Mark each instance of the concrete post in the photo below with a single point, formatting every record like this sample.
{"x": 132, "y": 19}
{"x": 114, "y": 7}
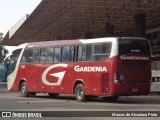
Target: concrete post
{"x": 140, "y": 25}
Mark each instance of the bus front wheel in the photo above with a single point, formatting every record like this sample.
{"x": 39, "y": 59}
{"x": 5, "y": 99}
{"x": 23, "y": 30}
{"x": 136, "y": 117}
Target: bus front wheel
{"x": 80, "y": 92}
{"x": 24, "y": 90}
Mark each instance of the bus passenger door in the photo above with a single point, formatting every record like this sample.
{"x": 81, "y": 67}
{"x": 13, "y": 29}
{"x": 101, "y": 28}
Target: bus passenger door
{"x": 27, "y": 70}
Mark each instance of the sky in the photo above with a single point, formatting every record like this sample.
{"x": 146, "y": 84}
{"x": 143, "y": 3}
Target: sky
{"x": 11, "y": 11}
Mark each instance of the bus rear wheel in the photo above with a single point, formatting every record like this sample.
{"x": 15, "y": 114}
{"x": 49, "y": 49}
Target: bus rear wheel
{"x": 80, "y": 92}
{"x": 24, "y": 90}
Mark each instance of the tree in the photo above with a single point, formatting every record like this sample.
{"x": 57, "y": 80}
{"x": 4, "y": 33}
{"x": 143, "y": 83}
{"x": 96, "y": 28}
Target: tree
{"x": 1, "y": 36}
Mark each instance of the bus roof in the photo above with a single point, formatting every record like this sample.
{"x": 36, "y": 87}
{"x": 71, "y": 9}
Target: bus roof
{"x": 53, "y": 43}
{"x": 77, "y": 41}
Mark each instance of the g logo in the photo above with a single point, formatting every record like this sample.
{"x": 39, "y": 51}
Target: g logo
{"x": 59, "y": 75}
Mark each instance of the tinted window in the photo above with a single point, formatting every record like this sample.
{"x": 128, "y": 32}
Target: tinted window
{"x": 49, "y": 52}
{"x": 24, "y": 57}
{"x": 72, "y": 53}
{"x": 65, "y": 54}
{"x": 101, "y": 51}
{"x": 30, "y": 56}
{"x": 13, "y": 60}
{"x": 89, "y": 52}
{"x": 36, "y": 53}
{"x": 16, "y": 54}
{"x": 133, "y": 46}
{"x": 82, "y": 53}
{"x": 98, "y": 49}
{"x": 106, "y": 48}
{"x": 43, "y": 55}
{"x": 57, "y": 54}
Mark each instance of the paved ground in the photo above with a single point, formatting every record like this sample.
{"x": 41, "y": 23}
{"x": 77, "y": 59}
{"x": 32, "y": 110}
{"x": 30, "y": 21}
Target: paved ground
{"x": 12, "y": 101}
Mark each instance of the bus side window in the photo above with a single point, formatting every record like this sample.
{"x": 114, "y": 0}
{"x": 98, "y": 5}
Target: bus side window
{"x": 82, "y": 53}
{"x": 65, "y": 54}
{"x": 49, "y": 56}
{"x": 89, "y": 52}
{"x": 106, "y": 48}
{"x": 24, "y": 59}
{"x": 30, "y": 56}
{"x": 76, "y": 53}
{"x": 36, "y": 53}
{"x": 101, "y": 51}
{"x": 57, "y": 54}
{"x": 72, "y": 54}
{"x": 43, "y": 55}
{"x": 97, "y": 49}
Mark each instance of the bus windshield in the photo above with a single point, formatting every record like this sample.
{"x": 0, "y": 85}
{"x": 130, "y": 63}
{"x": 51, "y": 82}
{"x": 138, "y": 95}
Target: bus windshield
{"x": 13, "y": 60}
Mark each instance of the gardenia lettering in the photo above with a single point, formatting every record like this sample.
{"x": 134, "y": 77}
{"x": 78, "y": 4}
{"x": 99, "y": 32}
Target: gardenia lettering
{"x": 77, "y": 68}
{"x": 134, "y": 58}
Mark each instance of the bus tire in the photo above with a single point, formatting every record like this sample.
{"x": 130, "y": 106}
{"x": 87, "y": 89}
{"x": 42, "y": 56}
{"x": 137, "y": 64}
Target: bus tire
{"x": 110, "y": 98}
{"x": 24, "y": 90}
{"x": 80, "y": 92}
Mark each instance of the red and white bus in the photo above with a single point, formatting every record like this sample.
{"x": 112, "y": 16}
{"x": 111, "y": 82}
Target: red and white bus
{"x": 103, "y": 67}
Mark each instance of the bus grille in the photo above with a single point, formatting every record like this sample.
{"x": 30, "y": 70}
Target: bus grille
{"x": 105, "y": 80}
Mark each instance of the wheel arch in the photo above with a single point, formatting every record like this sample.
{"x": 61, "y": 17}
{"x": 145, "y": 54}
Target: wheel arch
{"x": 78, "y": 81}
{"x": 20, "y": 82}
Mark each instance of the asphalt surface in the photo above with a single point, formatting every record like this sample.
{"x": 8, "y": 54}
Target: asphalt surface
{"x": 12, "y": 101}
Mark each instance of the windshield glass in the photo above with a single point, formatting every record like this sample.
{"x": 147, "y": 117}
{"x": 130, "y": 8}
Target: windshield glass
{"x": 13, "y": 60}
